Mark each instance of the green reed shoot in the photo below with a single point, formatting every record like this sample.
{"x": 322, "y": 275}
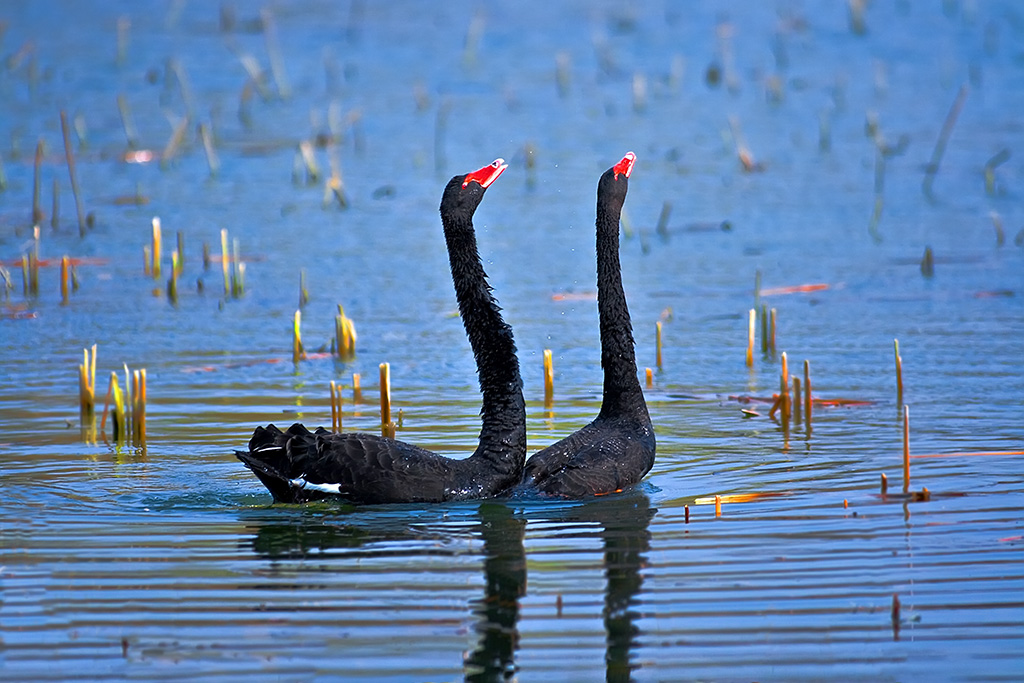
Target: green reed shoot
{"x": 298, "y": 353}
{"x": 87, "y": 386}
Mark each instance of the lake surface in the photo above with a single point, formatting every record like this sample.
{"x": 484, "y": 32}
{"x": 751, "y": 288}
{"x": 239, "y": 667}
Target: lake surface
{"x": 169, "y": 561}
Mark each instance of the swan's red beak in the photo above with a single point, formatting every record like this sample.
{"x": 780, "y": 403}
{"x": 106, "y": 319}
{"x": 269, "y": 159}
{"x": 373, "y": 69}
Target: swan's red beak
{"x": 625, "y": 166}
{"x": 486, "y": 175}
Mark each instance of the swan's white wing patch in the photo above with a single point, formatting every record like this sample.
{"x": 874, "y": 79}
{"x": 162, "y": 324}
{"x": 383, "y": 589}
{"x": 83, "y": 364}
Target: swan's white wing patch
{"x": 301, "y": 483}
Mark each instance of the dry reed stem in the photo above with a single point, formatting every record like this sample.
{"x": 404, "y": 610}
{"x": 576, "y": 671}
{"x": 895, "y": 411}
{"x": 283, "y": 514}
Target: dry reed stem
{"x": 157, "y": 247}
{"x": 357, "y": 392}
{"x": 387, "y": 427}
{"x": 718, "y": 506}
{"x": 657, "y": 343}
{"x": 771, "y": 331}
{"x": 225, "y": 260}
{"x": 686, "y": 514}
{"x": 884, "y": 484}
{"x": 650, "y": 377}
{"x": 335, "y": 407}
{"x": 549, "y": 379}
{"x": 785, "y": 406}
{"x": 64, "y": 280}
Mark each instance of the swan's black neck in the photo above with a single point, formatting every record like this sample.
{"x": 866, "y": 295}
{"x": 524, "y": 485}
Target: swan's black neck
{"x": 503, "y": 435}
{"x": 622, "y": 391}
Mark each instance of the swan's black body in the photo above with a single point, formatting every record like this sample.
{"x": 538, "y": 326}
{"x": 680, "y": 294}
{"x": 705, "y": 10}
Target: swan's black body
{"x": 298, "y": 465}
{"x": 617, "y": 449}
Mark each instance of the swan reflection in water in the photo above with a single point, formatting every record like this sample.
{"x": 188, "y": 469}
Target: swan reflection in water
{"x": 623, "y": 522}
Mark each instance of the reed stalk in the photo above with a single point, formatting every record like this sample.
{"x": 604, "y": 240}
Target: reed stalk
{"x": 387, "y": 427}
{"x": 174, "y": 143}
{"x": 284, "y": 90}
{"x": 757, "y": 289}
{"x": 118, "y": 417}
{"x": 344, "y": 335}
{"x": 297, "y": 351}
{"x": 764, "y": 328}
{"x": 997, "y": 223}
{"x": 928, "y": 263}
{"x": 309, "y": 160}
{"x": 55, "y": 207}
{"x": 3, "y": 174}
{"x": 124, "y": 27}
{"x": 37, "y": 211}
{"x": 650, "y": 377}
{"x": 237, "y": 271}
{"x": 686, "y": 514}
{"x": 335, "y": 407}
{"x": 718, "y": 506}
{"x": 212, "y": 160}
{"x": 180, "y": 264}
{"x": 157, "y": 247}
{"x": 932, "y": 168}
{"x": 147, "y": 259}
{"x": 172, "y": 281}
{"x": 884, "y": 484}
{"x": 808, "y": 401}
{"x": 64, "y": 280}
{"x": 899, "y": 373}
{"x": 998, "y": 159}
{"x": 128, "y": 123}
{"x": 70, "y": 155}
{"x": 906, "y": 448}
{"x": 225, "y": 260}
{"x": 87, "y": 386}
{"x": 751, "y": 323}
{"x": 785, "y": 406}
{"x": 357, "y": 391}
{"x": 138, "y": 408}
{"x": 657, "y": 338}
{"x": 666, "y": 212}
{"x": 771, "y": 331}
{"x": 549, "y": 379}
{"x": 797, "y": 401}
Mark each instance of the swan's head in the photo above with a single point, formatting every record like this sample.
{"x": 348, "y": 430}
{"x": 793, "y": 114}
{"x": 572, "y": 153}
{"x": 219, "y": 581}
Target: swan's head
{"x": 614, "y": 184}
{"x": 464, "y": 192}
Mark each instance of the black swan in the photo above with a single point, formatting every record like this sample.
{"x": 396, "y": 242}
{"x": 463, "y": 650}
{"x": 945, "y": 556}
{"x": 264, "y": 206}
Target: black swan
{"x": 616, "y": 450}
{"x": 298, "y": 465}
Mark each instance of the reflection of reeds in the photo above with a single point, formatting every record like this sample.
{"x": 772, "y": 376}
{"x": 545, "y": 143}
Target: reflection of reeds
{"x": 718, "y": 506}
{"x": 549, "y": 379}
{"x": 808, "y": 401}
{"x": 357, "y": 390}
{"x": 906, "y": 449}
{"x": 303, "y": 292}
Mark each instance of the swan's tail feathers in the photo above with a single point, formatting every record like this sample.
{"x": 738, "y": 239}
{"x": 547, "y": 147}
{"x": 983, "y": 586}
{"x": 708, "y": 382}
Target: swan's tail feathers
{"x": 262, "y": 466}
